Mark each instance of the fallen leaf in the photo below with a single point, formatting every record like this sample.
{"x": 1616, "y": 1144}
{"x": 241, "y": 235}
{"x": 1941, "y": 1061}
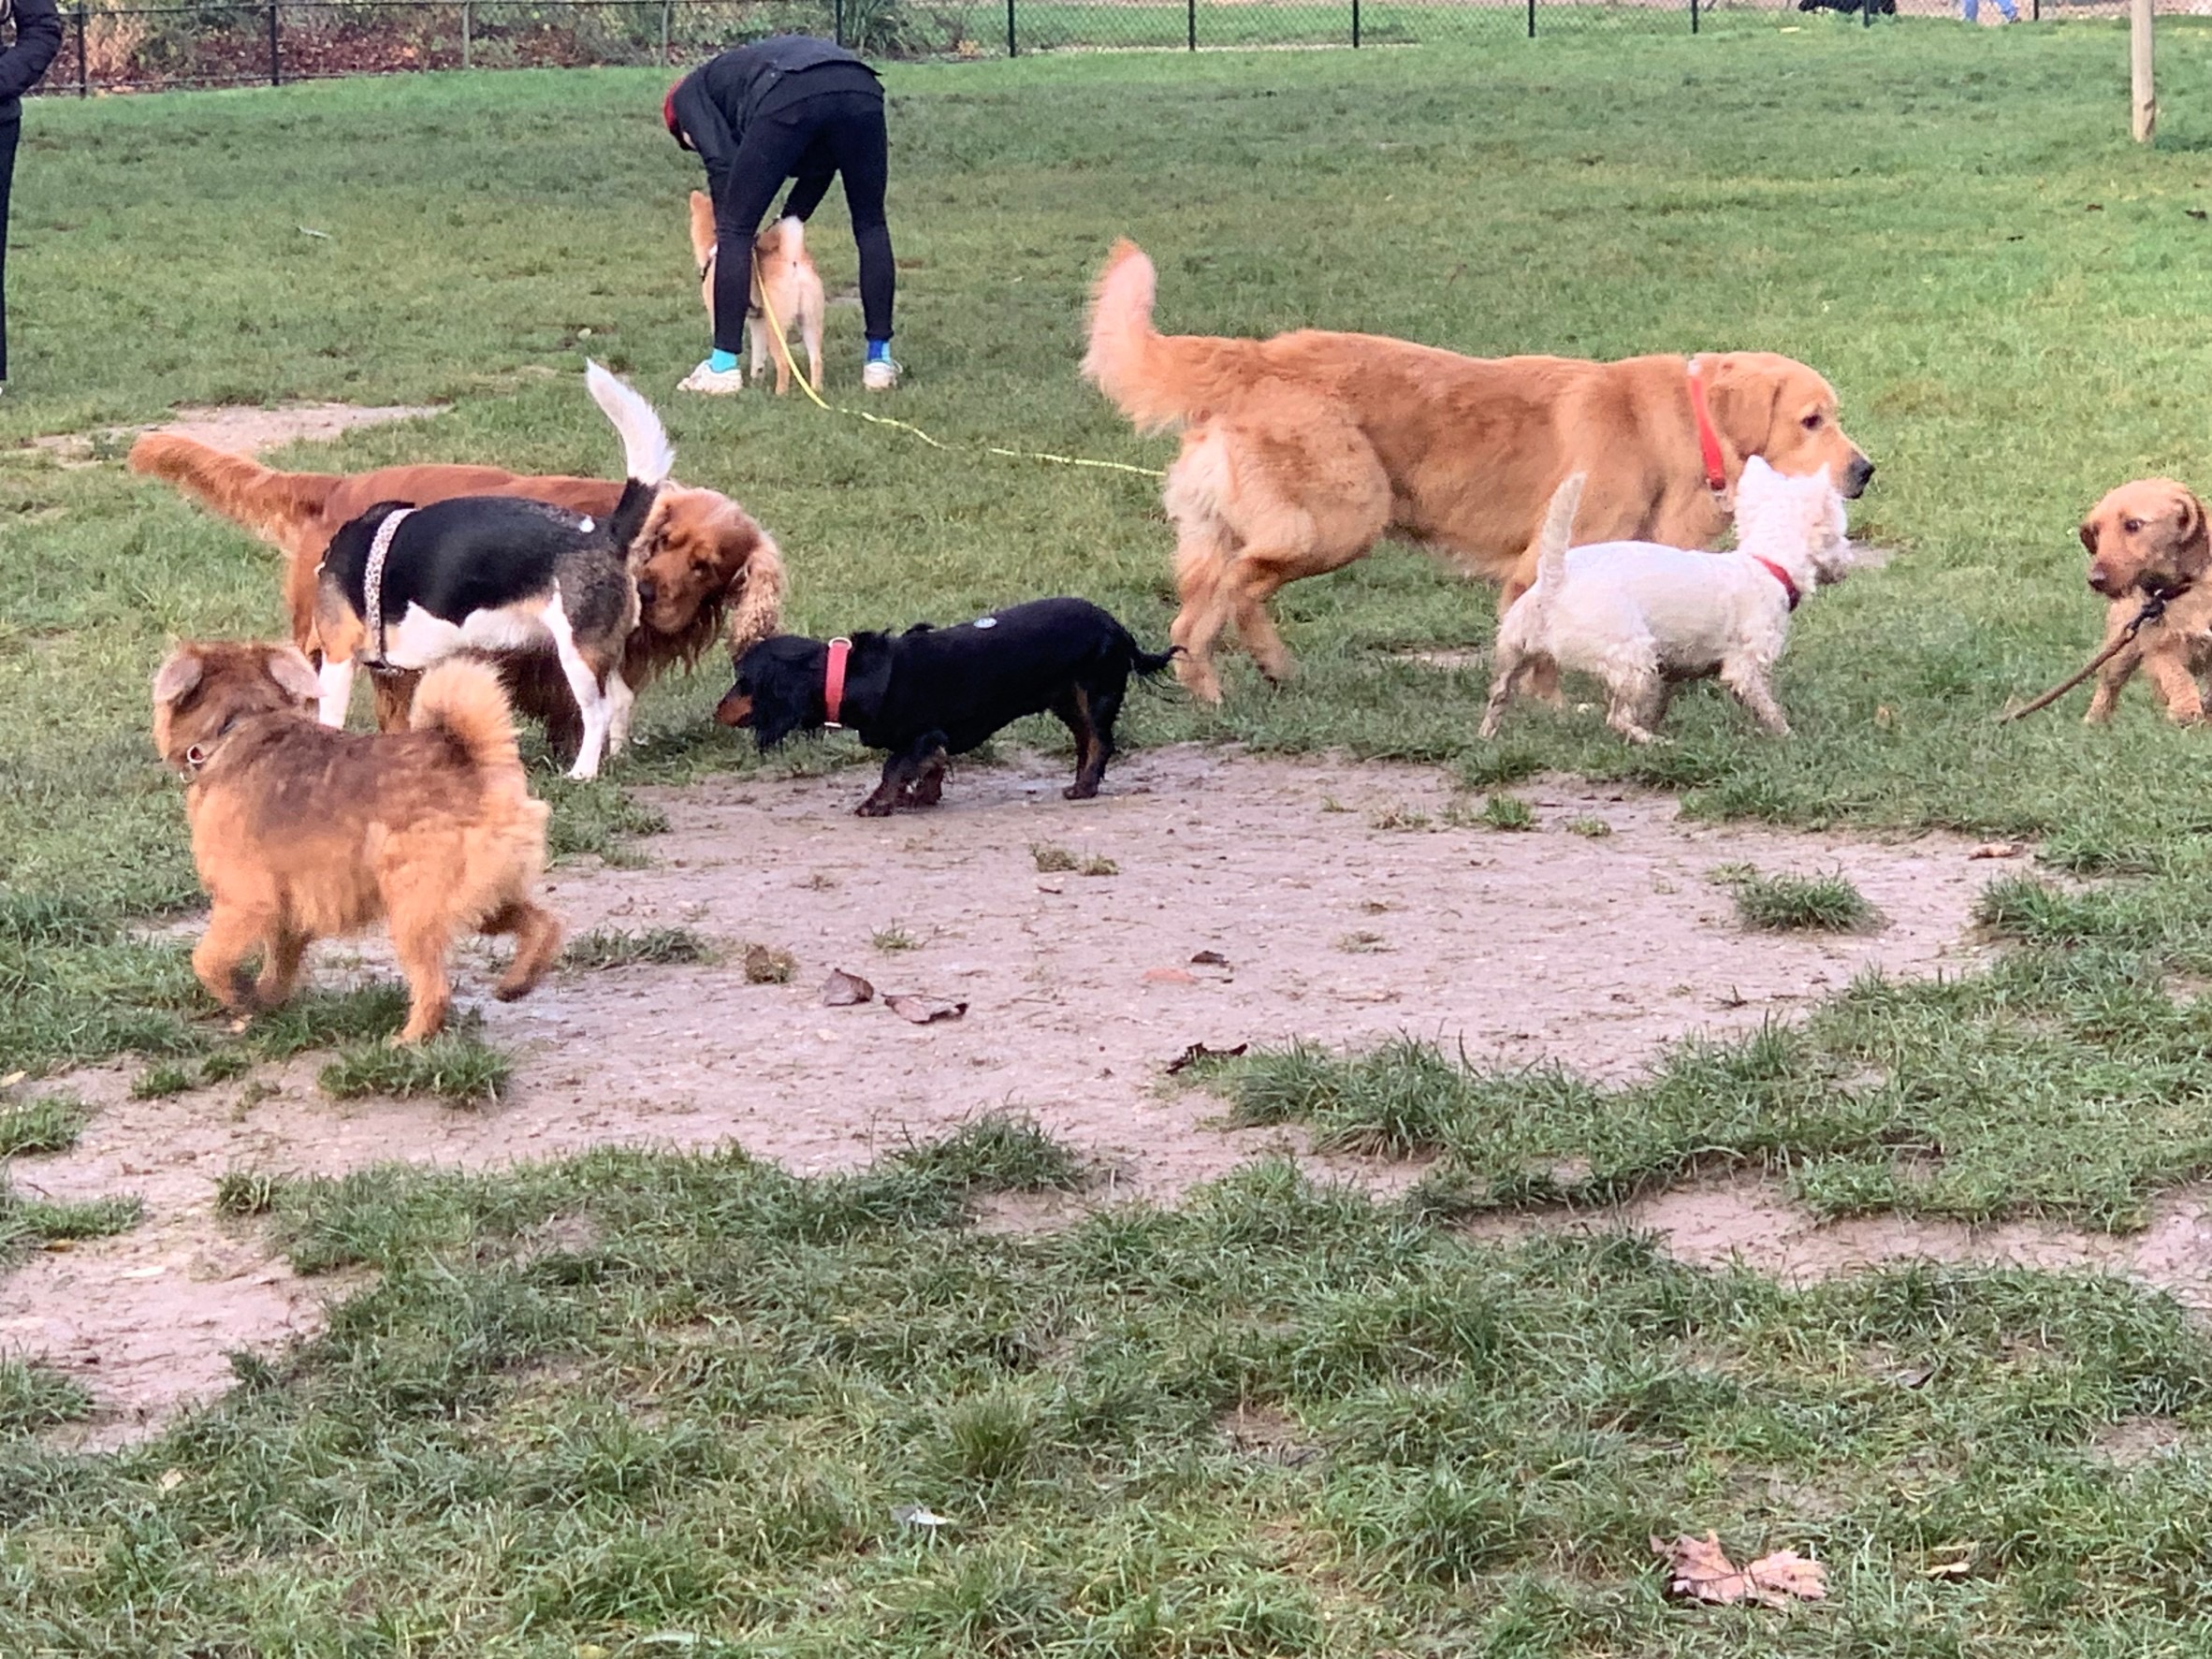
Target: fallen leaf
{"x": 1999, "y": 850}
{"x": 1785, "y": 1576}
{"x": 2095, "y": 207}
{"x": 170, "y": 1479}
{"x": 1207, "y": 960}
{"x": 1698, "y": 1569}
{"x": 842, "y": 990}
{"x": 1169, "y": 976}
{"x": 917, "y": 1515}
{"x": 13, "y": 1079}
{"x": 924, "y": 1011}
{"x": 1953, "y": 1569}
{"x": 1199, "y": 1051}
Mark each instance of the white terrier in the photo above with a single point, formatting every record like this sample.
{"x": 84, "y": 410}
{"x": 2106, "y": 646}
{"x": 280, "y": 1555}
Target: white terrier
{"x": 1643, "y": 618}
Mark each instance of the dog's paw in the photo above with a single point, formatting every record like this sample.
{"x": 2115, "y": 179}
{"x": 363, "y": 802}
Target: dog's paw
{"x": 872, "y": 808}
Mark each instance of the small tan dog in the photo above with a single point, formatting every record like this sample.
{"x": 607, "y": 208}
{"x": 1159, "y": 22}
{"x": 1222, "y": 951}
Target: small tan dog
{"x": 2149, "y": 538}
{"x": 784, "y": 272}
{"x": 302, "y": 832}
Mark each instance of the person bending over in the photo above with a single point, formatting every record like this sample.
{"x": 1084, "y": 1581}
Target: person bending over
{"x": 792, "y": 107}
{"x": 37, "y": 36}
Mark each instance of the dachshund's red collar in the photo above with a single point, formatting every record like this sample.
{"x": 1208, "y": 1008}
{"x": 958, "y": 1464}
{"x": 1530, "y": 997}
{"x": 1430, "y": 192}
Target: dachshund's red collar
{"x": 833, "y": 682}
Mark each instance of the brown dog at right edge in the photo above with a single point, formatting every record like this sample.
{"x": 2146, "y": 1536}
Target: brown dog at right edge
{"x": 1300, "y": 452}
{"x": 2149, "y": 538}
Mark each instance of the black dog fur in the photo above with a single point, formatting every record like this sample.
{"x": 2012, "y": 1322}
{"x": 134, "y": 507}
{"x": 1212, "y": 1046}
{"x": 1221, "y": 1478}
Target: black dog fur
{"x": 931, "y": 692}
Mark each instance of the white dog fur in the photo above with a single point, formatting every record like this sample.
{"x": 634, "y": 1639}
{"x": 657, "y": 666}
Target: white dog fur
{"x": 1643, "y": 618}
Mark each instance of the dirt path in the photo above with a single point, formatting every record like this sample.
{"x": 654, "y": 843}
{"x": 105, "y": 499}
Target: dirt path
{"x": 1344, "y": 907}
{"x": 241, "y": 429}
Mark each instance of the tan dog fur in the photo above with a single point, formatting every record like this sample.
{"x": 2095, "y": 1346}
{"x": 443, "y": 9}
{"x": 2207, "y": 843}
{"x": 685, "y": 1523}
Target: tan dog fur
{"x": 1300, "y": 452}
{"x": 704, "y": 567}
{"x": 785, "y": 273}
{"x": 302, "y": 832}
{"x": 2150, "y": 537}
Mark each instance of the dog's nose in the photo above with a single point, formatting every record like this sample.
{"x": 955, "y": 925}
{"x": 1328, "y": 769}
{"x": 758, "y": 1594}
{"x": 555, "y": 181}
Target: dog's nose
{"x": 1856, "y": 476}
{"x": 2100, "y": 579}
{"x": 645, "y": 593}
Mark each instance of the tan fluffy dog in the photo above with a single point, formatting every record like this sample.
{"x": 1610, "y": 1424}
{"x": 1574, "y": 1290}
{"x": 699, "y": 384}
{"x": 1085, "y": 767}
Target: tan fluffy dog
{"x": 704, "y": 567}
{"x": 784, "y": 272}
{"x": 302, "y": 832}
{"x": 2146, "y": 538}
{"x": 1300, "y": 452}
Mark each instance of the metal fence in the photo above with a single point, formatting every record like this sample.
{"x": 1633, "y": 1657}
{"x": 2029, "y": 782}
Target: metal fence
{"x": 148, "y": 48}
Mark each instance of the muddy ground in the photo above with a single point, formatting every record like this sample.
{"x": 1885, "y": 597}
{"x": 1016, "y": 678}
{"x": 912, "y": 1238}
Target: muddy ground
{"x": 1349, "y": 903}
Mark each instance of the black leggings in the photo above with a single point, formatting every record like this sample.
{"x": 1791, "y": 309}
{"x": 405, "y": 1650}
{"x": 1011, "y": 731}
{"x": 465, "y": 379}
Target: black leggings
{"x": 841, "y": 132}
{"x": 9, "y": 132}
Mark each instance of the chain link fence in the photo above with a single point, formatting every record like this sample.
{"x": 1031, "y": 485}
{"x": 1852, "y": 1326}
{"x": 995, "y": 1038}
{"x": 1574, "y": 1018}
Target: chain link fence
{"x": 130, "y": 48}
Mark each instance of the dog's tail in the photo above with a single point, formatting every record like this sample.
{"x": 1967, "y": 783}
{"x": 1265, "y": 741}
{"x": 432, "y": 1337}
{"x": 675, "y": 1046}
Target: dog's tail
{"x": 1160, "y": 380}
{"x": 1559, "y": 526}
{"x": 758, "y": 614}
{"x": 647, "y": 456}
{"x": 464, "y": 700}
{"x": 786, "y": 238}
{"x": 702, "y": 227}
{"x": 262, "y": 500}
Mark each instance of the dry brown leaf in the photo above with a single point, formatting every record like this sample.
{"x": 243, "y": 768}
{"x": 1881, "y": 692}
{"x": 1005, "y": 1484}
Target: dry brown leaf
{"x": 1698, "y": 1569}
{"x": 1785, "y": 1576}
{"x": 842, "y": 990}
{"x": 924, "y": 1011}
{"x": 1209, "y": 959}
{"x": 1169, "y": 976}
{"x": 1199, "y": 1051}
{"x": 1999, "y": 850}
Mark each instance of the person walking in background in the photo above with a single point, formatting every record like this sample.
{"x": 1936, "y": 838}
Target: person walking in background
{"x": 1971, "y": 10}
{"x": 791, "y": 107}
{"x": 37, "y": 25}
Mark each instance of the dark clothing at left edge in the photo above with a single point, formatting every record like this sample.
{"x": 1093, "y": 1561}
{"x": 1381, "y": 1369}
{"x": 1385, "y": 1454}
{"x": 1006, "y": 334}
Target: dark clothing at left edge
{"x": 37, "y": 27}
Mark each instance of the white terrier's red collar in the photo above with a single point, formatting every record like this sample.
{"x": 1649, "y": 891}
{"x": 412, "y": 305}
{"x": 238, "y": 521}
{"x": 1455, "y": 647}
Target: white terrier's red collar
{"x": 1782, "y": 576}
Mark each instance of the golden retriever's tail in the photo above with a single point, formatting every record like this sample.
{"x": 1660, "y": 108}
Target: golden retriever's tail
{"x": 262, "y": 500}
{"x": 758, "y": 614}
{"x": 464, "y": 700}
{"x": 1160, "y": 380}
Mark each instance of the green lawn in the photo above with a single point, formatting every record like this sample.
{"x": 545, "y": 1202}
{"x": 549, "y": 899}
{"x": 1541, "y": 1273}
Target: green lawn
{"x": 685, "y": 1428}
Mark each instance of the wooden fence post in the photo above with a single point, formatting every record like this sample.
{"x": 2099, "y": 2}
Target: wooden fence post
{"x": 2146, "y": 98}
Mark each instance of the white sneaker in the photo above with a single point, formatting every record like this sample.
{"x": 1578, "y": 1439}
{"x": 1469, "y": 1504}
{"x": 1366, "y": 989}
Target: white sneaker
{"x": 879, "y": 375}
{"x": 715, "y": 383}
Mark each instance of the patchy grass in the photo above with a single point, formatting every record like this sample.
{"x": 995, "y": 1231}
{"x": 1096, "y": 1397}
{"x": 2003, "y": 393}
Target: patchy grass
{"x": 1799, "y": 903}
{"x": 457, "y": 1066}
{"x": 623, "y": 947}
{"x": 1051, "y": 860}
{"x": 41, "y": 1125}
{"x": 1508, "y": 812}
{"x": 765, "y": 964}
{"x": 893, "y": 939}
{"x": 26, "y": 1222}
{"x": 1590, "y": 829}
{"x": 34, "y": 1397}
{"x": 707, "y": 1411}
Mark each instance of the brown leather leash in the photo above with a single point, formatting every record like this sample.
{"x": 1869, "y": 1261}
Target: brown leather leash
{"x": 2153, "y": 609}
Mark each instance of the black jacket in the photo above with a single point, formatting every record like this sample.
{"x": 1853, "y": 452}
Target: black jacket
{"x": 716, "y": 102}
{"x": 38, "y": 39}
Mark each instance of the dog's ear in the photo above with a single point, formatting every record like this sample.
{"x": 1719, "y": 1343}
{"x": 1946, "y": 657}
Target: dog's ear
{"x": 295, "y": 674}
{"x": 1746, "y": 393}
{"x": 2090, "y": 529}
{"x": 2196, "y": 542}
{"x": 178, "y": 675}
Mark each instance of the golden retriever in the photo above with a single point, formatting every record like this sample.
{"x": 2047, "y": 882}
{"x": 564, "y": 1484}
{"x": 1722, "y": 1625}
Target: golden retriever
{"x": 1300, "y": 452}
{"x": 2145, "y": 538}
{"x": 302, "y": 832}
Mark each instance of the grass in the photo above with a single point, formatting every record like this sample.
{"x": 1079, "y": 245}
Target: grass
{"x": 41, "y": 1125}
{"x": 1801, "y": 904}
{"x": 893, "y": 939}
{"x": 34, "y": 1397}
{"x": 623, "y": 947}
{"x": 602, "y": 1404}
{"x": 457, "y": 1066}
{"x": 1508, "y": 812}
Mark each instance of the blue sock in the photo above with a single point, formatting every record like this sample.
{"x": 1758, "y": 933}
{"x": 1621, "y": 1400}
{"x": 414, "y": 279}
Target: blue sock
{"x": 720, "y": 361}
{"x": 878, "y": 351}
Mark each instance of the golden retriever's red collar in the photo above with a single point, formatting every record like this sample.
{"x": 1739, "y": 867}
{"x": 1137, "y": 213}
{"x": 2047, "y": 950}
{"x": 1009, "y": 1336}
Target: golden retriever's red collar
{"x": 833, "y": 683}
{"x": 1782, "y": 576}
{"x": 1709, "y": 448}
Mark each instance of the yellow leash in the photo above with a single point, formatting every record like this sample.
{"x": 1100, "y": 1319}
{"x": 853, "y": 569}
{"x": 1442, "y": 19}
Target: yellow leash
{"x": 783, "y": 345}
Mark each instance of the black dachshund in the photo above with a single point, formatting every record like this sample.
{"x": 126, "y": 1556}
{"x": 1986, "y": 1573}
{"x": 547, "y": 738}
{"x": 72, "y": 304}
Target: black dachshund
{"x": 930, "y": 693}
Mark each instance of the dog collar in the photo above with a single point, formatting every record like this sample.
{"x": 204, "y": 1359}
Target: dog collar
{"x": 833, "y": 683}
{"x": 1709, "y": 440}
{"x": 1782, "y": 576}
{"x": 373, "y": 582}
